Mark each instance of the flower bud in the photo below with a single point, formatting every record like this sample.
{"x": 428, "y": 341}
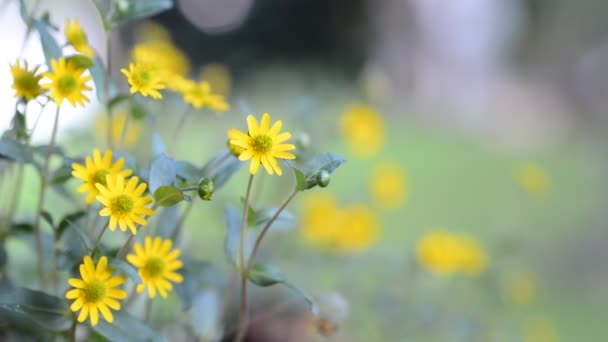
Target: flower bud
{"x": 205, "y": 189}
{"x": 323, "y": 178}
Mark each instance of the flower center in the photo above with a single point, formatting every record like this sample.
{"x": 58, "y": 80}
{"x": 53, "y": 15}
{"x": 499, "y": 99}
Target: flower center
{"x": 77, "y": 38}
{"x": 99, "y": 177}
{"x": 67, "y": 84}
{"x": 95, "y": 291}
{"x": 122, "y": 204}
{"x": 27, "y": 82}
{"x": 262, "y": 143}
{"x": 154, "y": 267}
{"x": 143, "y": 78}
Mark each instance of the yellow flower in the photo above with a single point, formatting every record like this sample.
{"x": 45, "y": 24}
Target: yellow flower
{"x": 26, "y": 82}
{"x": 199, "y": 95}
{"x": 95, "y": 171}
{"x": 388, "y": 185}
{"x": 144, "y": 79}
{"x": 351, "y": 229}
{"x": 123, "y": 202}
{"x": 157, "y": 265}
{"x": 444, "y": 253}
{"x": 321, "y": 219}
{"x": 263, "y": 144}
{"x": 67, "y": 82}
{"x": 363, "y": 130}
{"x": 119, "y": 124}
{"x": 520, "y": 287}
{"x": 78, "y": 38}
{"x": 218, "y": 75}
{"x": 359, "y": 229}
{"x": 533, "y": 179}
{"x": 539, "y": 329}
{"x": 96, "y": 291}
{"x": 233, "y": 134}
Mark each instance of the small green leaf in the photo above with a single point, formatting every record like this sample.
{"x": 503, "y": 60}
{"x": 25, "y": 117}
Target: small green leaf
{"x": 50, "y": 312}
{"x": 80, "y": 61}
{"x": 13, "y": 150}
{"x": 129, "y": 10}
{"x": 301, "y": 183}
{"x": 98, "y": 73}
{"x": 232, "y": 243}
{"x": 46, "y": 216}
{"x": 118, "y": 99}
{"x": 167, "y": 196}
{"x": 187, "y": 171}
{"x": 67, "y": 221}
{"x": 307, "y": 171}
{"x": 26, "y": 228}
{"x": 162, "y": 172}
{"x": 285, "y": 220}
{"x": 268, "y": 275}
{"x": 61, "y": 175}
{"x": 49, "y": 45}
{"x": 126, "y": 328}
{"x": 124, "y": 267}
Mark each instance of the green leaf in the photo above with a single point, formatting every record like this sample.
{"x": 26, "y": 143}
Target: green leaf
{"x": 306, "y": 171}
{"x": 206, "y": 316}
{"x": 158, "y": 146}
{"x": 12, "y": 149}
{"x": 232, "y": 243}
{"x": 50, "y": 312}
{"x": 46, "y": 216}
{"x": 49, "y": 45}
{"x": 129, "y": 10}
{"x": 126, "y": 328}
{"x": 18, "y": 126}
{"x": 26, "y": 228}
{"x": 80, "y": 61}
{"x": 187, "y": 171}
{"x": 268, "y": 275}
{"x": 23, "y": 12}
{"x": 125, "y": 268}
{"x": 167, "y": 196}
{"x": 98, "y": 74}
{"x": 197, "y": 275}
{"x": 67, "y": 221}
{"x": 221, "y": 168}
{"x": 118, "y": 99}
{"x": 61, "y": 175}
{"x": 162, "y": 172}
{"x": 167, "y": 221}
{"x": 285, "y": 220}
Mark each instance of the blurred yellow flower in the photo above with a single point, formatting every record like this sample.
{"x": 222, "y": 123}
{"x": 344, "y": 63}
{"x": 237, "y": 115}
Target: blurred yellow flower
{"x": 78, "y": 38}
{"x": 95, "y": 171}
{"x": 520, "y": 287}
{"x": 388, "y": 184}
{"x": 67, "y": 82}
{"x": 351, "y": 229}
{"x": 199, "y": 95}
{"x": 124, "y": 203}
{"x": 359, "y": 229}
{"x": 144, "y": 79}
{"x": 363, "y": 130}
{"x": 539, "y": 329}
{"x": 121, "y": 126}
{"x": 26, "y": 82}
{"x": 233, "y": 134}
{"x": 263, "y": 145}
{"x": 95, "y": 291}
{"x": 157, "y": 264}
{"x": 444, "y": 253}
{"x": 533, "y": 179}
{"x": 219, "y": 76}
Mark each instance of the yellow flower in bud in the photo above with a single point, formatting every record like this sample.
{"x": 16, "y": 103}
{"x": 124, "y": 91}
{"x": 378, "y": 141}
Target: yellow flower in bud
{"x": 78, "y": 38}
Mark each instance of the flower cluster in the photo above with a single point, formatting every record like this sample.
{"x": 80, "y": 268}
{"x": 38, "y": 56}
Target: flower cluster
{"x": 445, "y": 253}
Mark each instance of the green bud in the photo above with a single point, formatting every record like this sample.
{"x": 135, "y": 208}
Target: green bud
{"x": 323, "y": 178}
{"x": 205, "y": 189}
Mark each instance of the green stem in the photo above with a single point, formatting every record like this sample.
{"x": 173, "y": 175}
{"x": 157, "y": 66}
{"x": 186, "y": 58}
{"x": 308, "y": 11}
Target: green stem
{"x": 243, "y": 314}
{"x": 123, "y": 250}
{"x": 43, "y": 185}
{"x": 73, "y": 330}
{"x": 103, "y": 230}
{"x": 179, "y": 128}
{"x": 258, "y": 241}
{"x": 189, "y": 188}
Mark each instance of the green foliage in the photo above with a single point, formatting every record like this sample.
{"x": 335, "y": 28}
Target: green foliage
{"x": 98, "y": 73}
{"x": 162, "y": 172}
{"x": 167, "y": 196}
{"x": 129, "y": 10}
{"x": 13, "y": 150}
{"x": 50, "y": 47}
{"x": 49, "y": 312}
{"x": 125, "y": 268}
{"x": 307, "y": 171}
{"x": 233, "y": 219}
{"x": 126, "y": 328}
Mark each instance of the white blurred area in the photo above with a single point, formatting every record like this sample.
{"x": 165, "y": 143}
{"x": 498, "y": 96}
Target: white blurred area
{"x": 12, "y": 33}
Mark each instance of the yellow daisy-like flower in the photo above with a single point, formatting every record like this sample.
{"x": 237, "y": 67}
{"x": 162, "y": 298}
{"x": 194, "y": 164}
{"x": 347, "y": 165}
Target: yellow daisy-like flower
{"x": 233, "y": 134}
{"x": 388, "y": 185}
{"x": 78, "y": 38}
{"x": 157, "y": 264}
{"x": 359, "y": 230}
{"x": 321, "y": 219}
{"x": 96, "y": 291}
{"x": 144, "y": 79}
{"x": 95, "y": 171}
{"x": 67, "y": 82}
{"x": 444, "y": 253}
{"x": 199, "y": 95}
{"x": 263, "y": 144}
{"x": 363, "y": 130}
{"x": 124, "y": 202}
{"x": 26, "y": 82}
